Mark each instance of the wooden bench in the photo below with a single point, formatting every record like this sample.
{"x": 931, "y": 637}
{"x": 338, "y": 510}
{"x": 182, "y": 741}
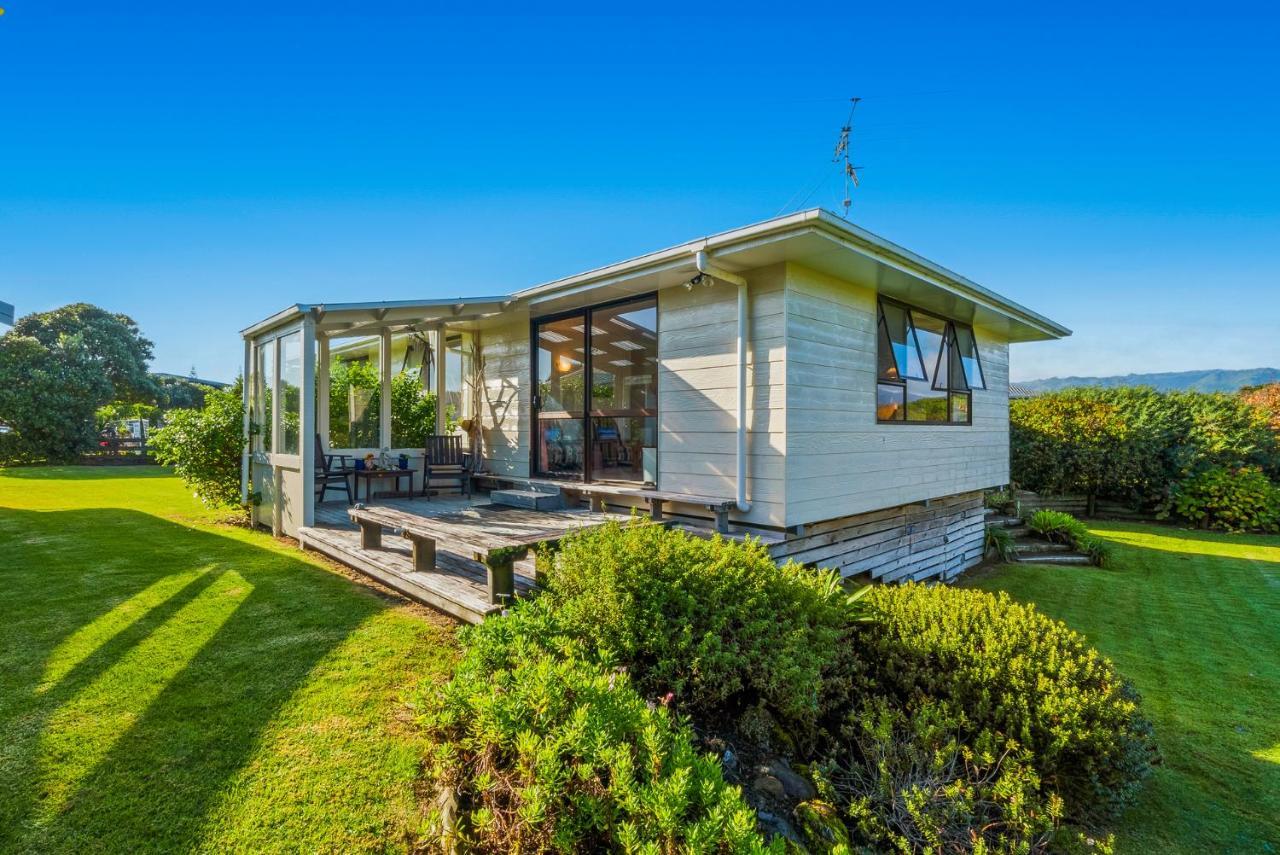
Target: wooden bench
{"x": 656, "y": 499}
{"x": 495, "y": 538}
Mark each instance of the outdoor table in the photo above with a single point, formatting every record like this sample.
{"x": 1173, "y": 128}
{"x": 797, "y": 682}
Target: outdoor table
{"x": 371, "y": 475}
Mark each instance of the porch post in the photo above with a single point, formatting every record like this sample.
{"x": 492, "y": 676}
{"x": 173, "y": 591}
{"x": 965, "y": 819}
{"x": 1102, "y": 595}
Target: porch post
{"x": 384, "y": 400}
{"x": 246, "y": 452}
{"x": 277, "y": 475}
{"x": 307, "y": 421}
{"x": 322, "y": 388}
{"x": 442, "y": 418}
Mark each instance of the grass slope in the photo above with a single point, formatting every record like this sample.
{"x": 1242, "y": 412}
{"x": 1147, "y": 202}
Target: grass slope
{"x": 1194, "y": 620}
{"x": 171, "y": 684}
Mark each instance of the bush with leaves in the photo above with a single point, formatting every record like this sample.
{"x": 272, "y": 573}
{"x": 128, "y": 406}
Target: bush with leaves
{"x": 535, "y": 751}
{"x": 1133, "y": 444}
{"x": 998, "y": 542}
{"x": 907, "y": 784}
{"x": 715, "y": 622}
{"x": 204, "y": 446}
{"x": 1240, "y": 500}
{"x": 1001, "y": 669}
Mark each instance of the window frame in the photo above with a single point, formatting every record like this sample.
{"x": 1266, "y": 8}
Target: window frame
{"x": 950, "y": 339}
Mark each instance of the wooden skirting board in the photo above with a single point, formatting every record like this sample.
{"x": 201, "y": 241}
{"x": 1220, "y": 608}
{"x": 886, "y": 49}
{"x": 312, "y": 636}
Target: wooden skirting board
{"x": 908, "y": 542}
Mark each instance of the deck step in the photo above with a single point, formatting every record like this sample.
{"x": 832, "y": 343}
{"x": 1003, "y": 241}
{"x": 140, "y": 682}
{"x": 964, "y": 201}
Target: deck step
{"x": 1031, "y": 546}
{"x": 1065, "y": 558}
{"x": 534, "y": 500}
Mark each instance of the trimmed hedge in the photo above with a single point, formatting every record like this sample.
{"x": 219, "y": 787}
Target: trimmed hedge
{"x": 714, "y": 622}
{"x": 1006, "y": 671}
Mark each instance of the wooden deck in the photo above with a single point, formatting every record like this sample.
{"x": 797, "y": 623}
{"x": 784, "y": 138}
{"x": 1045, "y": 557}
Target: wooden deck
{"x": 459, "y": 586}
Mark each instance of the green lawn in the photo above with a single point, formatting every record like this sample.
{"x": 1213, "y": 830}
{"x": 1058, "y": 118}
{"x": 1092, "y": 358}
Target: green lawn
{"x": 1194, "y": 620}
{"x": 169, "y": 683}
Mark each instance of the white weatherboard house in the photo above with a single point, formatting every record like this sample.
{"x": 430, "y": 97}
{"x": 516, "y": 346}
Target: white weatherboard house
{"x": 843, "y": 398}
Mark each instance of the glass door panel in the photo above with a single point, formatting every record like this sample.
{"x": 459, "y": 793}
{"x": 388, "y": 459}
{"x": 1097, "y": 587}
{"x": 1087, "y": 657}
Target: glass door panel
{"x": 624, "y": 390}
{"x": 560, "y": 396}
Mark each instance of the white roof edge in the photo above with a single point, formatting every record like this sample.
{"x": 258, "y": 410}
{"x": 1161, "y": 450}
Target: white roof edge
{"x": 869, "y": 242}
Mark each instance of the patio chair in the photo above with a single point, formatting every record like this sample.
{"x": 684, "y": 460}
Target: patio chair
{"x": 329, "y": 476}
{"x": 444, "y": 460}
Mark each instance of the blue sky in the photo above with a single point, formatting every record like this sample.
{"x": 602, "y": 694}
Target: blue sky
{"x": 201, "y": 166}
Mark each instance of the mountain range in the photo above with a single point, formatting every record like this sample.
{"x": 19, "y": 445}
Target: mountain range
{"x": 1212, "y": 380}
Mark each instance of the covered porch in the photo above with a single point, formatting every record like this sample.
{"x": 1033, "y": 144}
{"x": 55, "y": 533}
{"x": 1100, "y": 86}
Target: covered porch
{"x": 332, "y": 384}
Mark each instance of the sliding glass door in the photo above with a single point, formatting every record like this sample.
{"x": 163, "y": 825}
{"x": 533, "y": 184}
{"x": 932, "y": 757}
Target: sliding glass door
{"x": 605, "y": 429}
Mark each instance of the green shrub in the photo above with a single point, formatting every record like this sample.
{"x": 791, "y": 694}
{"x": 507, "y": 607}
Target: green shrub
{"x": 713, "y": 621}
{"x": 1061, "y": 527}
{"x": 1005, "y": 670}
{"x": 999, "y": 542}
{"x": 910, "y": 786}
{"x": 537, "y": 752}
{"x": 204, "y": 446}
{"x": 1240, "y": 500}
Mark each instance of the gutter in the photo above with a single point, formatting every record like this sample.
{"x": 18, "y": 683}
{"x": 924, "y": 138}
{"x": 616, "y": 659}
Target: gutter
{"x": 707, "y": 268}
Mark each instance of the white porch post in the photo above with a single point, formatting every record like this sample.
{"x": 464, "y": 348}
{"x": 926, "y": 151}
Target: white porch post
{"x": 384, "y": 400}
{"x": 246, "y": 452}
{"x": 442, "y": 418}
{"x": 307, "y": 421}
{"x": 277, "y": 475}
{"x": 322, "y": 389}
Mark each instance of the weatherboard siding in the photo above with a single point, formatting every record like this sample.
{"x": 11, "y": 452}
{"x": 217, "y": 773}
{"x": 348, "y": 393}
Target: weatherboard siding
{"x": 697, "y": 393}
{"x": 839, "y": 461}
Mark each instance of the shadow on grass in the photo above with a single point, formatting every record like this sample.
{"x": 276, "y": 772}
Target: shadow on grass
{"x": 190, "y": 717}
{"x": 82, "y": 472}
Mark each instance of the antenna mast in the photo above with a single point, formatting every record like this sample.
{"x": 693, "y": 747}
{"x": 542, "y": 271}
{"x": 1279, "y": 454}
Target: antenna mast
{"x": 842, "y": 154}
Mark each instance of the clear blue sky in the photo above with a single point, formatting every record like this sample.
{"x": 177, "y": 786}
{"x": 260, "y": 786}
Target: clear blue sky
{"x": 199, "y": 166}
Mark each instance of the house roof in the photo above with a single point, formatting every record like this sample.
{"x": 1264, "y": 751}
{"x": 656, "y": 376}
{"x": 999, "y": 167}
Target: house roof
{"x": 816, "y": 238}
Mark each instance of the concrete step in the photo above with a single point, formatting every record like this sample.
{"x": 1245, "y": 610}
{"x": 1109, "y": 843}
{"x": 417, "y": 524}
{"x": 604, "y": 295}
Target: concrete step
{"x": 1032, "y": 545}
{"x": 1019, "y": 531}
{"x": 1071, "y": 558}
{"x": 534, "y": 500}
{"x": 994, "y": 518}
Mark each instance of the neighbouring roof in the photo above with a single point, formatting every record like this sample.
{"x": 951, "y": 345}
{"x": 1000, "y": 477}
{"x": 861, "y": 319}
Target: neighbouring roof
{"x": 1017, "y": 390}
{"x": 816, "y": 238}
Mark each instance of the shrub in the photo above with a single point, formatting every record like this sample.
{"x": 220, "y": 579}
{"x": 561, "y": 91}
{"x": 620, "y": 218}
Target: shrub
{"x": 999, "y": 542}
{"x": 715, "y": 622}
{"x": 537, "y": 752}
{"x": 1240, "y": 500}
{"x": 1060, "y": 527}
{"x": 1000, "y": 500}
{"x": 910, "y": 786}
{"x": 204, "y": 446}
{"x": 1006, "y": 670}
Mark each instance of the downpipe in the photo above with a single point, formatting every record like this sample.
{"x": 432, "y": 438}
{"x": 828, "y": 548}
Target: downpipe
{"x": 706, "y": 268}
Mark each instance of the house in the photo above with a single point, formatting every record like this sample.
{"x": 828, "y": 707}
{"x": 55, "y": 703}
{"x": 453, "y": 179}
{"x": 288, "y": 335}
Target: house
{"x": 847, "y": 399}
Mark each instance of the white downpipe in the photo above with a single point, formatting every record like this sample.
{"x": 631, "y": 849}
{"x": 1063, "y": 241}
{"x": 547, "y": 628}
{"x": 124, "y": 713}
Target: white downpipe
{"x": 706, "y": 268}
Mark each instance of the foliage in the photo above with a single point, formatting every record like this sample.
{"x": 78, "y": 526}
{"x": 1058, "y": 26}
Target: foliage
{"x": 1133, "y": 444}
{"x": 413, "y": 409}
{"x": 180, "y": 393}
{"x": 1003, "y": 671}
{"x": 48, "y": 396}
{"x": 911, "y": 786}
{"x": 999, "y": 500}
{"x": 1267, "y": 399}
{"x": 715, "y": 622}
{"x": 204, "y": 446}
{"x": 1061, "y": 527}
{"x": 538, "y": 752}
{"x": 999, "y": 542}
{"x": 111, "y": 342}
{"x": 1239, "y": 500}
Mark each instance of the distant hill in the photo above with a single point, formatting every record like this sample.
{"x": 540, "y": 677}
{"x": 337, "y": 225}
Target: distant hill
{"x": 1213, "y": 380}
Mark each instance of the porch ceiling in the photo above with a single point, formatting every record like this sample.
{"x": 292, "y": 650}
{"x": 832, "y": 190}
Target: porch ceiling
{"x": 333, "y": 319}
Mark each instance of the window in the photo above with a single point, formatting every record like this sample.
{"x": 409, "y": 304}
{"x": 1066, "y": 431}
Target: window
{"x": 290, "y": 392}
{"x": 355, "y": 387}
{"x": 927, "y": 367}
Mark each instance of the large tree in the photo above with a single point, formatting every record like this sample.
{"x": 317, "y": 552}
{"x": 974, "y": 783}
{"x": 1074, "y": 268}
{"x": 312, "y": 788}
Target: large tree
{"x": 57, "y": 368}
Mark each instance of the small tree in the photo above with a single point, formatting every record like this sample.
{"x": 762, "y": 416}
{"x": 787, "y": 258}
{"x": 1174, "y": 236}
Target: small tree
{"x": 204, "y": 446}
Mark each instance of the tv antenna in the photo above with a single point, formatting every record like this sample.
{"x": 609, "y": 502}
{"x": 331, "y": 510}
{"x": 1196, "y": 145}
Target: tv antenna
{"x": 842, "y": 155}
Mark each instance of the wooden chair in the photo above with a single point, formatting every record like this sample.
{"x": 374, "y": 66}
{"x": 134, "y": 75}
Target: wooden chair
{"x": 328, "y": 475}
{"x": 444, "y": 460}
